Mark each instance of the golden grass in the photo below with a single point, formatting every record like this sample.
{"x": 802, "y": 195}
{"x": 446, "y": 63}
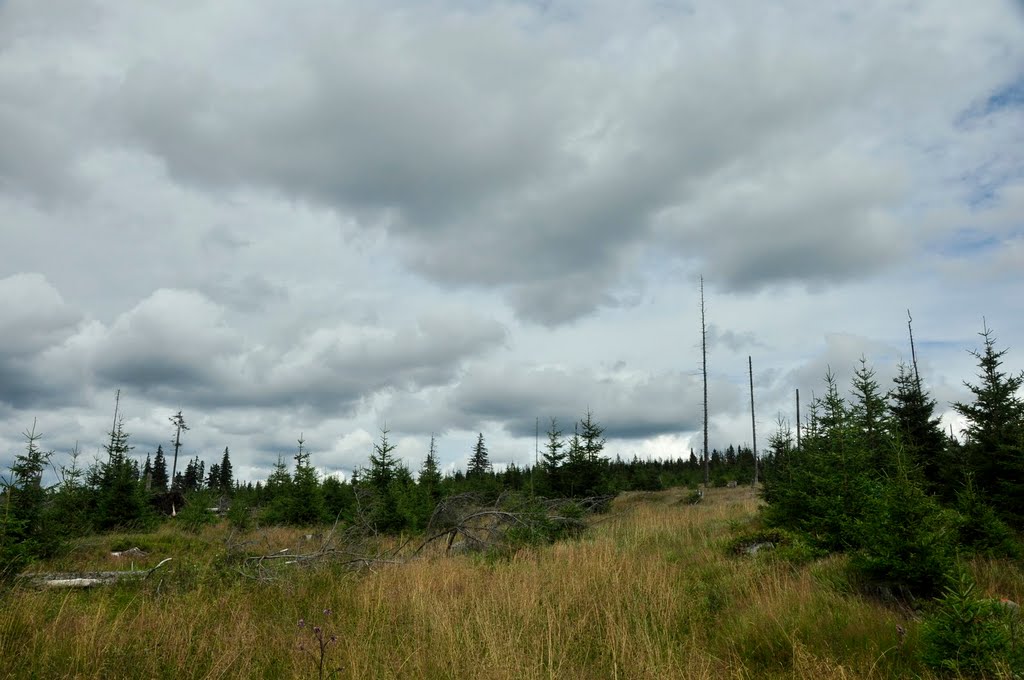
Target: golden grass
{"x": 649, "y": 592}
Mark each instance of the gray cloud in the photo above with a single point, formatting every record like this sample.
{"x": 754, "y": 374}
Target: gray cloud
{"x": 458, "y": 217}
{"x": 628, "y": 405}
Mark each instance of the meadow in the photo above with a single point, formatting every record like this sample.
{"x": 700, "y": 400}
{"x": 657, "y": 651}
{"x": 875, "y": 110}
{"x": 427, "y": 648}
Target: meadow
{"x": 651, "y": 590}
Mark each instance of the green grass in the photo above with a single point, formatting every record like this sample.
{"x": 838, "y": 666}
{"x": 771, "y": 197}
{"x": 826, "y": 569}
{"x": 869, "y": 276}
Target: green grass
{"x": 652, "y": 591}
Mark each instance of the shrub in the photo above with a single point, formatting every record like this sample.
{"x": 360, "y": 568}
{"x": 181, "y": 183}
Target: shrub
{"x": 196, "y": 513}
{"x": 905, "y": 540}
{"x": 980, "y": 528}
{"x": 240, "y": 515}
{"x": 969, "y": 635}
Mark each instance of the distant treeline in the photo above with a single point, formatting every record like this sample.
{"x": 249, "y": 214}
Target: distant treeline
{"x": 124, "y": 492}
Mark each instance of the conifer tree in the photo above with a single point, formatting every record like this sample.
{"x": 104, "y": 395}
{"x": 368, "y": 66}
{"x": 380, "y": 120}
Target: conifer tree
{"x": 554, "y": 458}
{"x": 159, "y": 470}
{"x": 307, "y": 502}
{"x": 24, "y": 533}
{"x": 919, "y": 433}
{"x": 213, "y": 477}
{"x": 995, "y": 433}
{"x": 226, "y": 481}
{"x": 869, "y": 418}
{"x": 120, "y": 502}
{"x": 430, "y": 475}
{"x": 382, "y": 478}
{"x": 382, "y": 463}
{"x": 427, "y": 491}
{"x": 591, "y": 436}
{"x": 479, "y": 463}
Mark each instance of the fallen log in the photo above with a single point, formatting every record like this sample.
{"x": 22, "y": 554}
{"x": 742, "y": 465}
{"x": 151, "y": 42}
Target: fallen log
{"x": 87, "y": 579}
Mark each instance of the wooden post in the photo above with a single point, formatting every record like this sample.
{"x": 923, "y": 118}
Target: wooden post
{"x": 798, "y": 419}
{"x": 704, "y": 363}
{"x": 753, "y": 425}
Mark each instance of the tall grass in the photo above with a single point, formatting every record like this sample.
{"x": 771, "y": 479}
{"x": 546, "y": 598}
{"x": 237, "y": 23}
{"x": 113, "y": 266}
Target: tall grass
{"x": 649, "y": 592}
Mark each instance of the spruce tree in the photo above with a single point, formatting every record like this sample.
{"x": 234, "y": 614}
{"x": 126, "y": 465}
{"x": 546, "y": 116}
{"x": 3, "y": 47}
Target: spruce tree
{"x": 918, "y": 431}
{"x": 307, "y": 502}
{"x": 226, "y": 481}
{"x": 213, "y": 477}
{"x": 869, "y": 419}
{"x": 428, "y": 488}
{"x": 24, "y": 533}
{"x": 430, "y": 475}
{"x": 591, "y": 435}
{"x": 278, "y": 494}
{"x": 120, "y": 501}
{"x": 585, "y": 466}
{"x": 995, "y": 433}
{"x": 159, "y": 470}
{"x": 382, "y": 464}
{"x": 479, "y": 464}
{"x": 554, "y": 458}
{"x": 381, "y": 477}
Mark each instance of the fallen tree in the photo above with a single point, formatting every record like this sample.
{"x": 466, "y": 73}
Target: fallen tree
{"x": 465, "y": 522}
{"x": 87, "y": 579}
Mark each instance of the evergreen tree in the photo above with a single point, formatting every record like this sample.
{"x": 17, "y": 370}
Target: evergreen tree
{"x": 159, "y": 471}
{"x": 120, "y": 502}
{"x": 193, "y": 476}
{"x": 918, "y": 431}
{"x": 424, "y": 496}
{"x": 24, "y": 533}
{"x": 479, "y": 464}
{"x": 591, "y": 435}
{"x": 382, "y": 464}
{"x": 430, "y": 475}
{"x": 995, "y": 433}
{"x": 278, "y": 494}
{"x": 307, "y": 502}
{"x": 553, "y": 459}
{"x": 584, "y": 466}
{"x": 72, "y": 501}
{"x": 869, "y": 418}
{"x": 213, "y": 478}
{"x": 381, "y": 477}
{"x": 226, "y": 481}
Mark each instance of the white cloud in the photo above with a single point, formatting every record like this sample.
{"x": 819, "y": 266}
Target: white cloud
{"x": 463, "y": 216}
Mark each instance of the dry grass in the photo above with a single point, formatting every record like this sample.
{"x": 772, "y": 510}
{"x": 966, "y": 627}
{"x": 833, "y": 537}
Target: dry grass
{"x": 650, "y": 592}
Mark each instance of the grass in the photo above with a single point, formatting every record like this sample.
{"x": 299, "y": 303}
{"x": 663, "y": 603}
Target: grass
{"x": 650, "y": 592}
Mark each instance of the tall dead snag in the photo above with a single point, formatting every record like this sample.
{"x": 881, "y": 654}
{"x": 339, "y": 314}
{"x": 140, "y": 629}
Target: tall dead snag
{"x": 913, "y": 351}
{"x": 753, "y": 425}
{"x": 178, "y": 421}
{"x": 798, "y": 419}
{"x": 704, "y": 364}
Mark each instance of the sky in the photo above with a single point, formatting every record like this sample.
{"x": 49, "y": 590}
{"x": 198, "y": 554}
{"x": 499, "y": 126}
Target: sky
{"x": 322, "y": 219}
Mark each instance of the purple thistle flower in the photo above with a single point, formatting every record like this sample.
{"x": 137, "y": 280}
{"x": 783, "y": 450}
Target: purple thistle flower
{"x": 302, "y": 623}
{"x": 327, "y": 612}
{"x": 316, "y": 629}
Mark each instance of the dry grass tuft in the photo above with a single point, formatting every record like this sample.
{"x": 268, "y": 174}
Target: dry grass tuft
{"x": 649, "y": 592}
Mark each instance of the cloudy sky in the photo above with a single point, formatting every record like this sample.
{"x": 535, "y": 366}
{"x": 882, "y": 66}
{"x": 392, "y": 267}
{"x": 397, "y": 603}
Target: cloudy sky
{"x": 461, "y": 216}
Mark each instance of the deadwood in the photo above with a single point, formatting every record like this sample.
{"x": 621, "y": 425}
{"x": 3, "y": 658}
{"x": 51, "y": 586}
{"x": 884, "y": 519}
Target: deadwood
{"x": 465, "y": 522}
{"x": 87, "y": 579}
